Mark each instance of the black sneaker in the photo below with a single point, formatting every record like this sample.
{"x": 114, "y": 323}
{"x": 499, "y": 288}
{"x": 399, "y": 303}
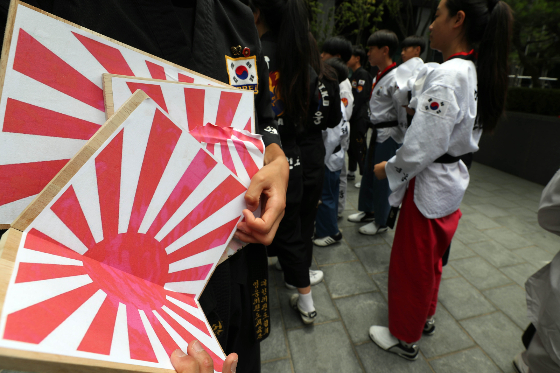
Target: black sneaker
{"x": 350, "y": 176}
{"x": 429, "y": 327}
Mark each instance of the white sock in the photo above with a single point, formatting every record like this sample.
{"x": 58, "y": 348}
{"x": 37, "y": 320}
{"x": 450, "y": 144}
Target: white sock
{"x": 305, "y": 302}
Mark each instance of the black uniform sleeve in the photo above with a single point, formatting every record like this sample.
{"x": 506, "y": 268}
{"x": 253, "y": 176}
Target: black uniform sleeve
{"x": 335, "y": 114}
{"x": 266, "y": 124}
{"x": 361, "y": 94}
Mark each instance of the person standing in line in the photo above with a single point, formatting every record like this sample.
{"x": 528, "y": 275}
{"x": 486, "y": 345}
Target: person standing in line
{"x": 459, "y": 99}
{"x": 283, "y": 30}
{"x": 336, "y": 144}
{"x": 373, "y": 202}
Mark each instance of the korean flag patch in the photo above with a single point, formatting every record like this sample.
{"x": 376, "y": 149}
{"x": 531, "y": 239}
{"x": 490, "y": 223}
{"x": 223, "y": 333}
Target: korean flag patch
{"x": 243, "y": 72}
{"x": 434, "y": 106}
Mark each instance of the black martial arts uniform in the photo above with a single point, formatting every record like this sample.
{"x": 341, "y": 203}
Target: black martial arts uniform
{"x": 197, "y": 35}
{"x": 359, "y": 123}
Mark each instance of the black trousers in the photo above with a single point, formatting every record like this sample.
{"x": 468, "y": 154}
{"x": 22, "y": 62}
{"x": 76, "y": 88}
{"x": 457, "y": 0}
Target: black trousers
{"x": 313, "y": 161}
{"x": 357, "y": 147}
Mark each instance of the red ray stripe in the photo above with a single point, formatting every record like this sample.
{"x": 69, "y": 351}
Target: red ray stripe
{"x": 152, "y": 90}
{"x": 185, "y": 298}
{"x": 108, "y": 169}
{"x": 188, "y": 337}
{"x": 218, "y": 198}
{"x": 33, "y": 120}
{"x": 99, "y": 337}
{"x": 185, "y": 79}
{"x": 210, "y": 148}
{"x": 248, "y": 126}
{"x": 161, "y": 143}
{"x": 28, "y": 272}
{"x": 167, "y": 342}
{"x": 37, "y": 62}
{"x": 243, "y": 153}
{"x": 22, "y": 180}
{"x": 226, "y": 158}
{"x": 191, "y": 274}
{"x": 194, "y": 321}
{"x": 194, "y": 100}
{"x": 109, "y": 57}
{"x": 156, "y": 71}
{"x": 209, "y": 241}
{"x": 40, "y": 242}
{"x": 69, "y": 210}
{"x": 258, "y": 143}
{"x": 200, "y": 166}
{"x": 227, "y": 108}
{"x": 35, "y": 323}
{"x": 140, "y": 346}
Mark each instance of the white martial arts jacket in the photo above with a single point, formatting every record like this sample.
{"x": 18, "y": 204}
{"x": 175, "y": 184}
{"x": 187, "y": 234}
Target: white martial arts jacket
{"x": 339, "y": 135}
{"x": 382, "y": 106}
{"x": 443, "y": 124}
{"x": 405, "y": 77}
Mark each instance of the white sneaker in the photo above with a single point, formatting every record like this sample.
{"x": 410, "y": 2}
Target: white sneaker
{"x": 372, "y": 229}
{"x": 314, "y": 278}
{"x": 307, "y": 317}
{"x": 358, "y": 184}
{"x": 329, "y": 240}
{"x": 519, "y": 364}
{"x": 382, "y": 337}
{"x": 361, "y": 217}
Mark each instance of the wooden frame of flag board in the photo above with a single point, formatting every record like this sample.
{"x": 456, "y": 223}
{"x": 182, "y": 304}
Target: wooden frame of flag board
{"x": 51, "y": 72}
{"x": 68, "y": 302}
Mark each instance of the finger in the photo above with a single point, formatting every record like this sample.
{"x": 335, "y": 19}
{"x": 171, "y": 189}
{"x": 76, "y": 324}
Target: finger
{"x": 205, "y": 363}
{"x": 253, "y": 194}
{"x": 230, "y": 365}
{"x": 272, "y": 211}
{"x": 184, "y": 363}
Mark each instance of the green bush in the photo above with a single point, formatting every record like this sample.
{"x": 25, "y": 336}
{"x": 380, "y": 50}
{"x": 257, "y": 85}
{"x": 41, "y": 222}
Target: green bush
{"x": 534, "y": 101}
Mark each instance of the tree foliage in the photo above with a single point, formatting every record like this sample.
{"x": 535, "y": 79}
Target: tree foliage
{"x": 402, "y": 11}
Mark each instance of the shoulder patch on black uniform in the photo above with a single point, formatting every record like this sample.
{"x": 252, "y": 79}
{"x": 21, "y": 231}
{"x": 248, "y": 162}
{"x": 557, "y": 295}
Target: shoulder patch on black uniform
{"x": 242, "y": 72}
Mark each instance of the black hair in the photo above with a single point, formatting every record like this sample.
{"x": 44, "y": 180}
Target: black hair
{"x": 414, "y": 41}
{"x": 340, "y": 67}
{"x": 322, "y": 69}
{"x": 338, "y": 45}
{"x": 384, "y": 38}
{"x": 359, "y": 52}
{"x": 488, "y": 29}
{"x": 288, "y": 21}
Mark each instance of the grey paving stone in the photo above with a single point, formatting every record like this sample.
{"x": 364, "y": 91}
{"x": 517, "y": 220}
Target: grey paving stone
{"x": 479, "y": 192}
{"x": 374, "y": 258}
{"x": 466, "y": 209}
{"x": 479, "y": 273}
{"x": 273, "y": 297}
{"x": 495, "y": 254}
{"x": 376, "y": 360}
{"x": 517, "y": 224}
{"x": 511, "y": 301}
{"x": 531, "y": 202}
{"x": 545, "y": 240}
{"x": 524, "y": 214}
{"x": 359, "y": 312}
{"x": 462, "y": 300}
{"x": 535, "y": 255}
{"x": 322, "y": 348}
{"x": 449, "y": 336}
{"x": 490, "y": 210}
{"x": 497, "y": 336}
{"x": 519, "y": 273}
{"x": 324, "y": 306}
{"x": 278, "y": 366}
{"x": 275, "y": 276}
{"x": 382, "y": 282}
{"x": 459, "y": 250}
{"x": 468, "y": 233}
{"x": 488, "y": 186}
{"x": 389, "y": 236}
{"x": 510, "y": 240}
{"x": 274, "y": 346}
{"x": 347, "y": 279}
{"x": 356, "y": 239}
{"x": 510, "y": 196}
{"x": 502, "y": 202}
{"x": 449, "y": 272}
{"x": 335, "y": 253}
{"x": 473, "y": 360}
{"x": 480, "y": 221}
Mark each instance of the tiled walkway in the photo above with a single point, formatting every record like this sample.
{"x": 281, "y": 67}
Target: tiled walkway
{"x": 482, "y": 310}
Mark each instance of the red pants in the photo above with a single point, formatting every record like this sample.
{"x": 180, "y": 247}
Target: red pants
{"x": 415, "y": 267}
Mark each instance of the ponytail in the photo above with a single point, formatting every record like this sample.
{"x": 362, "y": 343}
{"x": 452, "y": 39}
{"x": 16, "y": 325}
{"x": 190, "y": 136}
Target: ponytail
{"x": 287, "y": 20}
{"x": 488, "y": 28}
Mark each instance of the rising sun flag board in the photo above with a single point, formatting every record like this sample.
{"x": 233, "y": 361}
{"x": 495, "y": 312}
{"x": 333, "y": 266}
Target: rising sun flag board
{"x": 221, "y": 118}
{"x": 105, "y": 267}
{"x": 52, "y": 98}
